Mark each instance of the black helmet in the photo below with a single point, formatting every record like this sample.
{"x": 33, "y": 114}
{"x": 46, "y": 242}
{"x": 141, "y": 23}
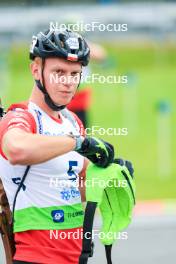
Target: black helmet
{"x": 63, "y": 44}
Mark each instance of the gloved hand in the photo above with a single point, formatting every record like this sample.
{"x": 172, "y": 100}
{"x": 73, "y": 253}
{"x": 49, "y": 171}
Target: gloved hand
{"x": 126, "y": 163}
{"x": 98, "y": 151}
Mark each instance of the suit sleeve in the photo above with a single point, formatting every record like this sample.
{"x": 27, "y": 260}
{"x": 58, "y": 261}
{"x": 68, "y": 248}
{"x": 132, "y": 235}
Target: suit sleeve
{"x": 16, "y": 119}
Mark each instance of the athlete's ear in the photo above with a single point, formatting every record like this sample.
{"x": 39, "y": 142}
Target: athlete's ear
{"x": 35, "y": 67}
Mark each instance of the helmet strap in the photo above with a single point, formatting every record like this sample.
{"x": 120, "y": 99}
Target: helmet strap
{"x": 42, "y": 88}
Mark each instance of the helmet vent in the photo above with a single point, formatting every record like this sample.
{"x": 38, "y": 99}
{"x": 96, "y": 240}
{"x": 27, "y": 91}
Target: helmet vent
{"x": 52, "y": 39}
{"x": 62, "y": 44}
{"x": 80, "y": 43}
{"x": 46, "y": 47}
{"x": 73, "y": 51}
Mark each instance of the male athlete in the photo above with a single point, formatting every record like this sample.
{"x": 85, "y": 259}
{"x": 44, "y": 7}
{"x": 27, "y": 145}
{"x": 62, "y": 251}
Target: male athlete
{"x": 42, "y": 133}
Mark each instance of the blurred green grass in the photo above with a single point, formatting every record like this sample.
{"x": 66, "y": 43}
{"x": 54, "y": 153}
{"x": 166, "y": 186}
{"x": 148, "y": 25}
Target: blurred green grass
{"x": 151, "y": 77}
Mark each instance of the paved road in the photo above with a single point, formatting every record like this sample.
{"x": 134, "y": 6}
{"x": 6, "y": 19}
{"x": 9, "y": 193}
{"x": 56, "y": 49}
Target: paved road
{"x": 151, "y": 240}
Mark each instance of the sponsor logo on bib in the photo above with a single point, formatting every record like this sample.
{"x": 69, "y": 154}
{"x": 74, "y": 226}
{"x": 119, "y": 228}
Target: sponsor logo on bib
{"x": 58, "y": 216}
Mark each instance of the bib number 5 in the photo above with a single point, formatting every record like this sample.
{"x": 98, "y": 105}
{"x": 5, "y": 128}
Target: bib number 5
{"x": 73, "y": 176}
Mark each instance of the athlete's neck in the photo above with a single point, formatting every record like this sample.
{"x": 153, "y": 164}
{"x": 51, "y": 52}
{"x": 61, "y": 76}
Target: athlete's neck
{"x": 37, "y": 98}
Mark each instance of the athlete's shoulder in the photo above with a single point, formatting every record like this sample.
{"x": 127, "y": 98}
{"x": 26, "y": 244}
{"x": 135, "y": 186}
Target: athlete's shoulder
{"x": 18, "y": 116}
{"x": 18, "y": 106}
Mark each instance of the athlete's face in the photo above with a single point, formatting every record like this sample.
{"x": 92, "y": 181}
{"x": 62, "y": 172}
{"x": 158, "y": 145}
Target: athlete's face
{"x": 61, "y": 79}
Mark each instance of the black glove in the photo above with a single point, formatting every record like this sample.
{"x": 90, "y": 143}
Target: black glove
{"x": 97, "y": 150}
{"x": 127, "y": 164}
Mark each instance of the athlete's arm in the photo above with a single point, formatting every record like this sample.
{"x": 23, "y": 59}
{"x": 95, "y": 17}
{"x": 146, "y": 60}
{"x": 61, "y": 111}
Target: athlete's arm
{"x": 24, "y": 148}
{"x": 20, "y": 144}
